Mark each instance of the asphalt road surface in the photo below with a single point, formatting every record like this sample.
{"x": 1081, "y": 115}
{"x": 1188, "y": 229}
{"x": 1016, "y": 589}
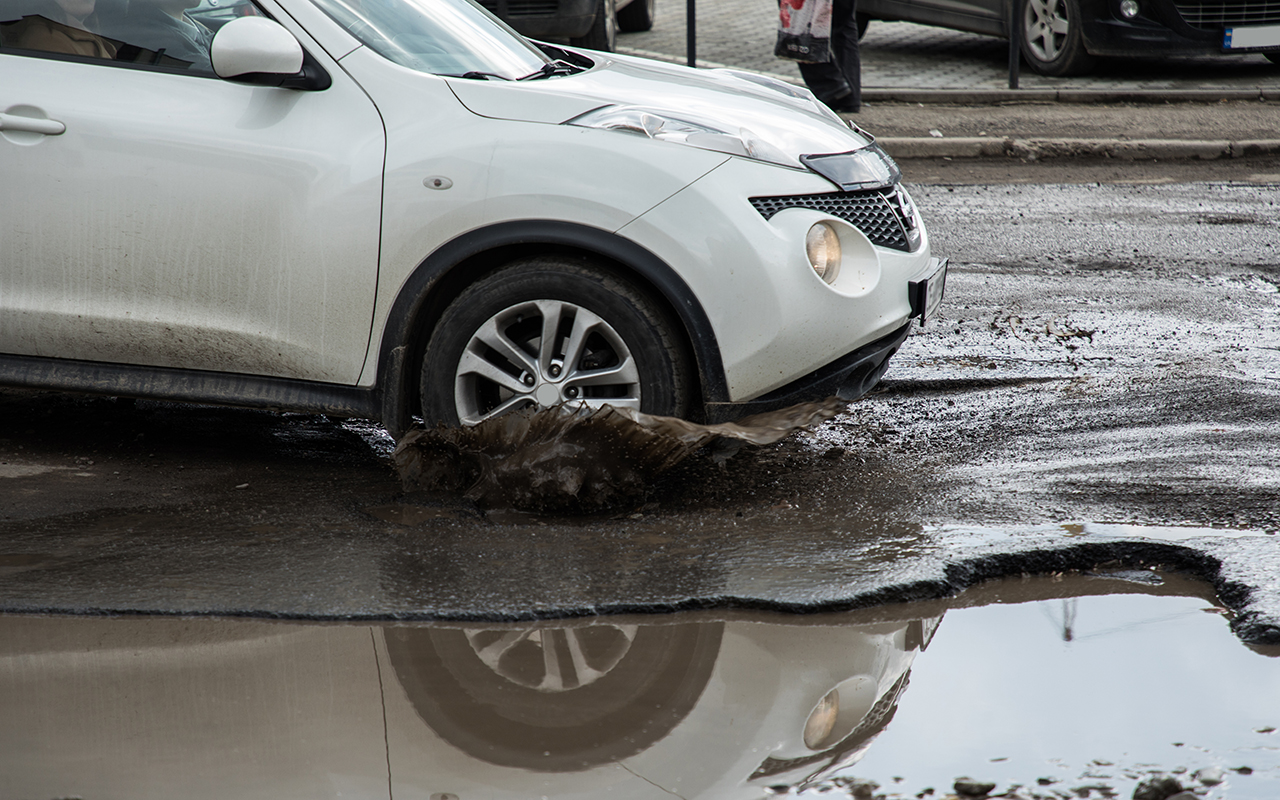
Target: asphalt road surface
{"x": 1108, "y": 356}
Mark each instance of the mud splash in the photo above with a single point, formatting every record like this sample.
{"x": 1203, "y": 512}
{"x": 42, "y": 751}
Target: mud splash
{"x": 578, "y": 459}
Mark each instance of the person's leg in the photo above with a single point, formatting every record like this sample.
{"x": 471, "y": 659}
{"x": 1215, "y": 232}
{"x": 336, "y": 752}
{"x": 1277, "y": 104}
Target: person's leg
{"x": 827, "y": 83}
{"x": 844, "y": 49}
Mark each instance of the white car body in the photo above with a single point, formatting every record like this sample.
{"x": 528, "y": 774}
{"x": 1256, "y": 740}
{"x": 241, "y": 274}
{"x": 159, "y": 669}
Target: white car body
{"x": 182, "y": 236}
{"x": 133, "y": 708}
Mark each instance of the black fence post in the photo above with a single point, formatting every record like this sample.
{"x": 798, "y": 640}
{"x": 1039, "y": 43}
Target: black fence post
{"x": 691, "y": 33}
{"x": 1015, "y": 43}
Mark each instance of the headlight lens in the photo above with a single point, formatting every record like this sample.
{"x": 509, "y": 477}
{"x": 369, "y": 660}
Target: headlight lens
{"x": 822, "y": 245}
{"x": 817, "y": 729}
{"x": 661, "y": 125}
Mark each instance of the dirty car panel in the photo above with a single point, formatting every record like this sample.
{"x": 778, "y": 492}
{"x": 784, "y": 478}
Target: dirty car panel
{"x": 225, "y": 230}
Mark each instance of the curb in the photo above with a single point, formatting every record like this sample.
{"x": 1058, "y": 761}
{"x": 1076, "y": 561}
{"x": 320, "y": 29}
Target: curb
{"x": 1038, "y": 149}
{"x": 990, "y": 97}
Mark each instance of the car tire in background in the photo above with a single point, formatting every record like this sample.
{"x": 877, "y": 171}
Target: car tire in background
{"x": 604, "y": 30}
{"x": 1274, "y": 58}
{"x": 637, "y": 16}
{"x": 1052, "y": 42}
{"x": 612, "y": 344}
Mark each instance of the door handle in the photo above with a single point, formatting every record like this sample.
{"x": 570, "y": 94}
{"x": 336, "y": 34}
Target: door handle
{"x": 13, "y": 122}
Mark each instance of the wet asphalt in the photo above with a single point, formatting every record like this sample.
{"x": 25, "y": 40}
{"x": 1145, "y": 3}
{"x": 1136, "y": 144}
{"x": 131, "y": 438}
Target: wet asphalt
{"x": 1100, "y": 388}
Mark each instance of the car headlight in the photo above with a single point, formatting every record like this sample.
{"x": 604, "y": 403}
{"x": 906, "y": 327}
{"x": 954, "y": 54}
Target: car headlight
{"x": 822, "y": 245}
{"x": 664, "y": 126}
{"x": 822, "y": 721}
{"x": 868, "y": 167}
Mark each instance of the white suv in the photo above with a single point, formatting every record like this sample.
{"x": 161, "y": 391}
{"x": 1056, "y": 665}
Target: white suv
{"x": 399, "y": 208}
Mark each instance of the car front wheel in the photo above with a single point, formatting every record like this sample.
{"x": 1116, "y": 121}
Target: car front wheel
{"x": 1051, "y": 38}
{"x": 546, "y": 331}
{"x": 604, "y": 30}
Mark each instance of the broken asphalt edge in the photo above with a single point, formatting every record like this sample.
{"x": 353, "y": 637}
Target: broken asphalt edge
{"x": 1249, "y": 592}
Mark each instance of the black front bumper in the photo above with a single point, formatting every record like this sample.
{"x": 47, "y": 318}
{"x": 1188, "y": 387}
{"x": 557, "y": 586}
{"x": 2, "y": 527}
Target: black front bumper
{"x": 1159, "y": 29}
{"x": 848, "y": 377}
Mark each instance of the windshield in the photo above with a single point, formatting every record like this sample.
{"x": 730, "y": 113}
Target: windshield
{"x": 443, "y": 37}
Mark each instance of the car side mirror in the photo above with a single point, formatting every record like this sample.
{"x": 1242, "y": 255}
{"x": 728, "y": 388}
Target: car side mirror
{"x": 259, "y": 51}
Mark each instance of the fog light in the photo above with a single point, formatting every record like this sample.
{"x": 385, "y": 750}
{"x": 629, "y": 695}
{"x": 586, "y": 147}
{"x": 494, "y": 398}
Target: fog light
{"x": 822, "y": 721}
{"x": 823, "y": 248}
{"x": 1129, "y": 8}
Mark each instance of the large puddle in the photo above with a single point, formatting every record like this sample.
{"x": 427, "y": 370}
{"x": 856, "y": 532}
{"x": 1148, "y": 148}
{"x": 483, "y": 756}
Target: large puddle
{"x": 1074, "y": 686}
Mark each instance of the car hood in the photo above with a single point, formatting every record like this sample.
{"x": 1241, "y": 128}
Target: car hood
{"x": 786, "y": 117}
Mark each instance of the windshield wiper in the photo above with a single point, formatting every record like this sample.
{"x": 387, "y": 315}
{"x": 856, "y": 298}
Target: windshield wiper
{"x": 477, "y": 75}
{"x": 552, "y": 68}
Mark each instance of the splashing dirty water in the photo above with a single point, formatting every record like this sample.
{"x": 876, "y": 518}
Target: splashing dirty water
{"x": 579, "y": 458}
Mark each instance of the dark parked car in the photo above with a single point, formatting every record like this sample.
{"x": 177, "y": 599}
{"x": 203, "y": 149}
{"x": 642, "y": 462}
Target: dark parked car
{"x": 1063, "y": 37}
{"x": 593, "y": 24}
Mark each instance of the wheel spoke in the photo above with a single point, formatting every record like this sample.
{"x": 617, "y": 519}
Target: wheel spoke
{"x": 473, "y": 364}
{"x": 552, "y": 312}
{"x": 510, "y": 404}
{"x": 583, "y": 324}
{"x": 490, "y": 334}
{"x": 494, "y": 651}
{"x": 626, "y": 372}
{"x": 583, "y": 670}
{"x": 1058, "y": 25}
{"x": 554, "y": 680}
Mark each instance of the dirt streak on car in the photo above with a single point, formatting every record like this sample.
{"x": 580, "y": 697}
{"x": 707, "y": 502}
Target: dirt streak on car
{"x": 400, "y": 208}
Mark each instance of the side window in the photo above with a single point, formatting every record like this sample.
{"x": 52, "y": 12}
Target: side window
{"x": 170, "y": 34}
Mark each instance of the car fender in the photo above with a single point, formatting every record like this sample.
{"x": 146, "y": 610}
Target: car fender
{"x": 459, "y": 262}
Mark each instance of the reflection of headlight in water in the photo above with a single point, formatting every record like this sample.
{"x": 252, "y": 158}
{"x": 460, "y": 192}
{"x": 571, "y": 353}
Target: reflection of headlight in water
{"x": 841, "y": 711}
{"x": 817, "y": 729}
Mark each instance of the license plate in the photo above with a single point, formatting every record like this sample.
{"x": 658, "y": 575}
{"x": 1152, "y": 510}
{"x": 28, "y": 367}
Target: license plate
{"x": 1251, "y": 38}
{"x": 926, "y": 292}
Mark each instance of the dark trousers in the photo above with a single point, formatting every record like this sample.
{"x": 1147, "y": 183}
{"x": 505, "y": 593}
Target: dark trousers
{"x": 838, "y": 82}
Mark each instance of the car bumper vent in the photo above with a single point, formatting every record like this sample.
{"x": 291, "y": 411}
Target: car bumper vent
{"x": 879, "y": 214}
{"x": 1215, "y": 16}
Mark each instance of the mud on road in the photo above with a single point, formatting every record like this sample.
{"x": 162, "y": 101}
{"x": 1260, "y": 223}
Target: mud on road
{"x": 1106, "y": 354}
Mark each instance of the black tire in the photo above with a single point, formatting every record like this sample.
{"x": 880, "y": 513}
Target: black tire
{"x": 863, "y": 22}
{"x": 1274, "y": 58}
{"x": 604, "y": 30}
{"x": 631, "y": 356}
{"x": 637, "y": 16}
{"x": 651, "y": 678}
{"x": 1052, "y": 43}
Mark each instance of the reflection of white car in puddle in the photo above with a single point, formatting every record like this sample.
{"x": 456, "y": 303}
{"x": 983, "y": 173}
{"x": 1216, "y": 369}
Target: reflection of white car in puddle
{"x": 145, "y": 708}
{"x": 389, "y": 208}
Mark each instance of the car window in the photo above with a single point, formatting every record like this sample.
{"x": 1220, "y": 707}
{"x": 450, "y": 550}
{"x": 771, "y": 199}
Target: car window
{"x": 168, "y": 34}
{"x": 443, "y": 37}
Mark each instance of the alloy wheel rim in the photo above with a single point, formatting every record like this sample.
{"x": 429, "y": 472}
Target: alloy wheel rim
{"x": 540, "y": 354}
{"x": 1045, "y": 28}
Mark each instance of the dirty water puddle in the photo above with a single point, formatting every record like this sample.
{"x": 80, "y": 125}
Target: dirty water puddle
{"x": 1045, "y": 688}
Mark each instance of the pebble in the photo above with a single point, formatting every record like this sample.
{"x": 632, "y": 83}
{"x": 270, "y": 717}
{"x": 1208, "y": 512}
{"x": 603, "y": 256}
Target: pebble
{"x": 1210, "y": 776}
{"x": 968, "y": 787}
{"x": 1157, "y": 787}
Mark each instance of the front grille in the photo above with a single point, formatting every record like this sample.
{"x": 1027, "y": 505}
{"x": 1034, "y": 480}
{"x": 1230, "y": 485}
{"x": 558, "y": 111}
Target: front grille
{"x": 1215, "y": 16}
{"x": 878, "y": 214}
{"x": 522, "y": 8}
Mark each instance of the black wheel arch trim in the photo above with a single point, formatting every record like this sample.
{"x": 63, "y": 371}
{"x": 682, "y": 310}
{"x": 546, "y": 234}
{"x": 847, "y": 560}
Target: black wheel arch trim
{"x": 437, "y": 279}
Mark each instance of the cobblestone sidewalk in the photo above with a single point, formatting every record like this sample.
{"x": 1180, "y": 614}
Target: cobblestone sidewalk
{"x": 903, "y": 55}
